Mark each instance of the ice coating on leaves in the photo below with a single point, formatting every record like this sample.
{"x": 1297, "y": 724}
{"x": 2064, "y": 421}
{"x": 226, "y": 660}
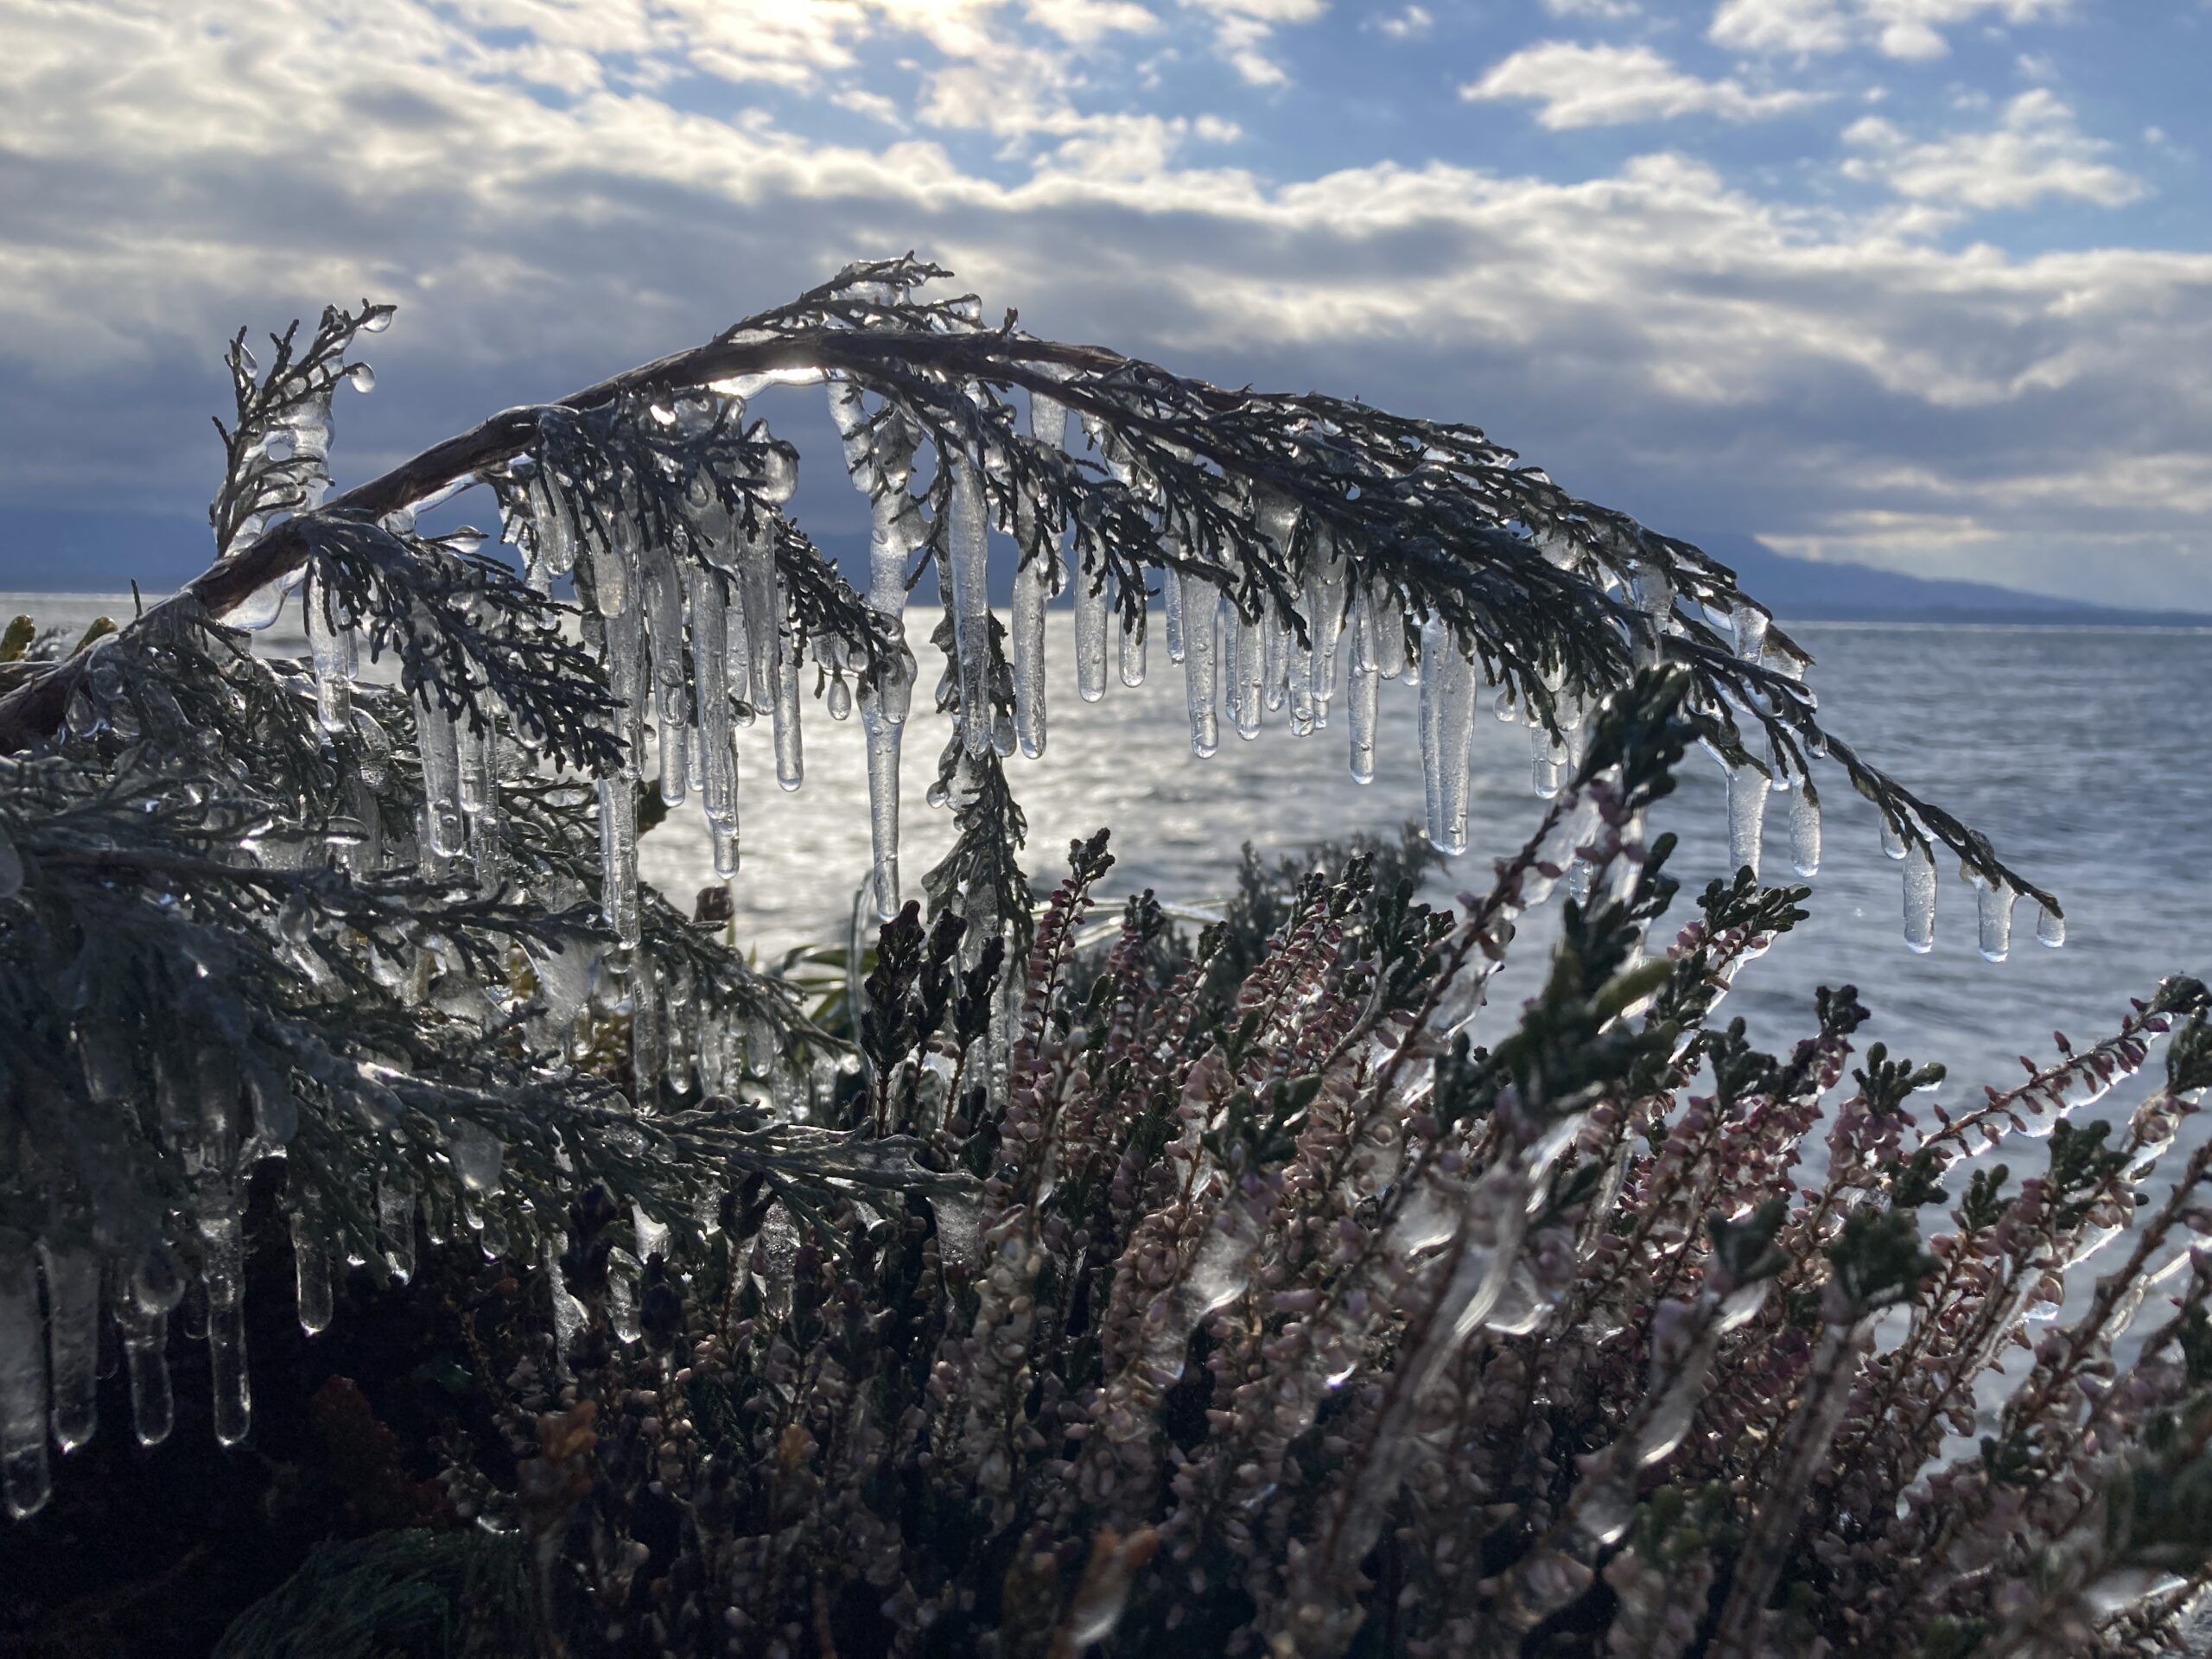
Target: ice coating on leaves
{"x": 1217, "y": 1275}
{"x": 72, "y": 1301}
{"x": 478, "y": 1157}
{"x": 1804, "y": 831}
{"x": 1750, "y": 624}
{"x": 568, "y": 1314}
{"x": 1447, "y": 719}
{"x": 1747, "y": 793}
{"x": 1993, "y": 920}
{"x": 24, "y": 1473}
{"x": 1920, "y": 901}
{"x": 1202, "y": 632}
{"x": 968, "y": 545}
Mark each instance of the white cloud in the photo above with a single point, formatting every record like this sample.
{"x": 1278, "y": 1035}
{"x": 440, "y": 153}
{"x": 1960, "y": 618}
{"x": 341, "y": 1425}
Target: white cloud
{"x": 1611, "y": 86}
{"x": 1410, "y": 24}
{"x": 1608, "y": 8}
{"x": 1242, "y": 29}
{"x": 2037, "y": 151}
{"x": 1908, "y": 30}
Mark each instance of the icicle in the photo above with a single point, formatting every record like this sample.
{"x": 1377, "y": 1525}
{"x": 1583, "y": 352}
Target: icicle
{"x": 618, "y": 852}
{"x": 1654, "y": 597}
{"x": 1804, "y": 831}
{"x": 1090, "y": 609}
{"x": 396, "y": 1220}
{"x": 1132, "y": 661}
{"x": 717, "y": 749}
{"x": 1447, "y": 715}
{"x": 1170, "y": 596}
{"x": 1032, "y": 586}
{"x": 1386, "y": 619}
{"x": 1276, "y": 640}
{"x": 332, "y": 649}
{"x": 762, "y": 609}
{"x": 1920, "y": 901}
{"x": 967, "y": 548}
{"x": 790, "y": 756}
{"x": 1246, "y": 669}
{"x": 479, "y": 794}
{"x": 1326, "y": 578}
{"x": 222, "y": 1267}
{"x": 24, "y": 1474}
{"x": 444, "y": 825}
{"x": 1202, "y": 631}
{"x": 646, "y": 1060}
{"x": 1747, "y": 793}
{"x": 1994, "y": 919}
{"x": 148, "y": 1296}
{"x": 622, "y": 1294}
{"x": 553, "y": 535}
{"x": 310, "y": 1261}
{"x": 569, "y": 1313}
{"x": 2050, "y": 927}
{"x": 1893, "y": 840}
{"x": 885, "y": 698}
{"x": 1033, "y": 583}
{"x": 1364, "y": 685}
{"x": 72, "y": 1303}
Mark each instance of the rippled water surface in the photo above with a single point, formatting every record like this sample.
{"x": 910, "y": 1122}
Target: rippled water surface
{"x": 2085, "y": 754}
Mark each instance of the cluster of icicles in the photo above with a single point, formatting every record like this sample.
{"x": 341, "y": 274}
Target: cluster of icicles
{"x": 691, "y": 654}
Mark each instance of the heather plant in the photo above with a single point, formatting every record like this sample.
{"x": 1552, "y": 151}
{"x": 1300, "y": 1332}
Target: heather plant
{"x": 989, "y": 1287}
{"x": 1289, "y": 1321}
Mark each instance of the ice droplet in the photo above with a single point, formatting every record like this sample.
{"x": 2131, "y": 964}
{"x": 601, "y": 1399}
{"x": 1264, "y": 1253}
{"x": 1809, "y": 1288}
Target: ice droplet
{"x": 2050, "y": 927}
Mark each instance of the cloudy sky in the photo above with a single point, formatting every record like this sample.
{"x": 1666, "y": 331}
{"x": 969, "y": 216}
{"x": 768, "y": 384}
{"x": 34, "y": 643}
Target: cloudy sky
{"x": 1925, "y": 283}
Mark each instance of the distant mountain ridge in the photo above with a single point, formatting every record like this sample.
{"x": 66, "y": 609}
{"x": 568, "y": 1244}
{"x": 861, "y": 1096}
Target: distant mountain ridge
{"x": 1802, "y": 589}
{"x": 103, "y": 551}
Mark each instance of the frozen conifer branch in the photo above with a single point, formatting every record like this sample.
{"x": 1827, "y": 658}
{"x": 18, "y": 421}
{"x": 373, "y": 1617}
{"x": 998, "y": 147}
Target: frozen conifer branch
{"x": 1292, "y": 511}
{"x": 394, "y": 934}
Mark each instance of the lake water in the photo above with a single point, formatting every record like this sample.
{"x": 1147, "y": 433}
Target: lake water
{"x": 2081, "y": 753}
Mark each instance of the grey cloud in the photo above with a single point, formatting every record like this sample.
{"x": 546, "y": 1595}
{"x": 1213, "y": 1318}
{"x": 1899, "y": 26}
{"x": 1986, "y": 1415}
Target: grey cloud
{"x": 1659, "y": 342}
